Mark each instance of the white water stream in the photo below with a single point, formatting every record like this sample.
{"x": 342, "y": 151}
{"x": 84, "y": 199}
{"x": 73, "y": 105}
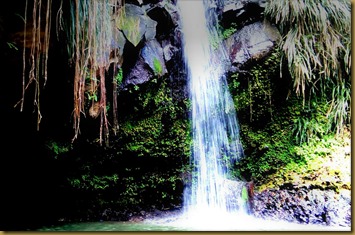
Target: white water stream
{"x": 216, "y": 143}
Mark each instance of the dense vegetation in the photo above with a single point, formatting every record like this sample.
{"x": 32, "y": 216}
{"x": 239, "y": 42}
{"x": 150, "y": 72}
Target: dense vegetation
{"x": 293, "y": 108}
{"x": 299, "y": 95}
{"x": 144, "y": 167}
{"x": 279, "y": 134}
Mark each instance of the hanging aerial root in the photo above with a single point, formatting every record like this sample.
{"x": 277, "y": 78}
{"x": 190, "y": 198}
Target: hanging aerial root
{"x": 37, "y": 41}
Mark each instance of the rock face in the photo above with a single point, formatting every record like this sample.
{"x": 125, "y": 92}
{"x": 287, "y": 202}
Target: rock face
{"x": 252, "y": 42}
{"x": 153, "y": 55}
{"x": 148, "y": 28}
{"x": 135, "y": 24}
{"x": 152, "y": 37}
{"x": 239, "y": 194}
{"x": 304, "y": 205}
{"x": 241, "y": 12}
{"x": 255, "y": 36}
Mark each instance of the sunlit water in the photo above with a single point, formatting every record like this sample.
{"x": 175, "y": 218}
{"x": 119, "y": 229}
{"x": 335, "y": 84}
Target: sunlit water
{"x": 215, "y": 130}
{"x": 238, "y": 222}
{"x": 183, "y": 224}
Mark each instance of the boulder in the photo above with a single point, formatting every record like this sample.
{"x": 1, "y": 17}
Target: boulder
{"x": 140, "y": 73}
{"x": 304, "y": 205}
{"x": 153, "y": 56}
{"x": 252, "y": 42}
{"x": 136, "y": 24}
{"x": 242, "y": 12}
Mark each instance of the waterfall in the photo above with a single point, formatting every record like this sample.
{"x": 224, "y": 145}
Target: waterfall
{"x": 215, "y": 129}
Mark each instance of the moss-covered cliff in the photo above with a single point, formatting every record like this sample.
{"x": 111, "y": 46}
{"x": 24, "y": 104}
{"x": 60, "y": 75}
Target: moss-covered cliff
{"x": 295, "y": 125}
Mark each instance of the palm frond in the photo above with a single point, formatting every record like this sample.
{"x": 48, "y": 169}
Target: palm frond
{"x": 317, "y": 45}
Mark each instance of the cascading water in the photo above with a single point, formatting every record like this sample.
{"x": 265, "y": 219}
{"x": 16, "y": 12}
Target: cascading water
{"x": 215, "y": 130}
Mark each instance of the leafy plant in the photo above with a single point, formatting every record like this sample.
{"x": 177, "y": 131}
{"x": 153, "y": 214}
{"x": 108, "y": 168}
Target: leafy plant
{"x": 316, "y": 45}
{"x": 93, "y": 182}
{"x": 339, "y": 111}
{"x": 253, "y": 92}
{"x": 12, "y": 45}
{"x": 119, "y": 76}
{"x": 310, "y": 123}
{"x": 58, "y": 148}
{"x": 226, "y": 33}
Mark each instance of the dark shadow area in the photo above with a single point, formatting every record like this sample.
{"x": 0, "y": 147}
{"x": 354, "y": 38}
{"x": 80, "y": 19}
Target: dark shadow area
{"x": 31, "y": 180}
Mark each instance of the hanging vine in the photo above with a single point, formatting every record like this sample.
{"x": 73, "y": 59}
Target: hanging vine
{"x": 93, "y": 37}
{"x": 39, "y": 39}
{"x": 95, "y": 31}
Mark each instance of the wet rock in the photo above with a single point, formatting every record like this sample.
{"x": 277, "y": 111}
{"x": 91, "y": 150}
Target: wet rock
{"x": 119, "y": 42}
{"x": 237, "y": 5}
{"x": 304, "y": 205}
{"x": 239, "y": 194}
{"x": 165, "y": 19}
{"x": 136, "y": 24}
{"x": 139, "y": 74}
{"x": 149, "y": 27}
{"x": 242, "y": 12}
{"x": 171, "y": 8}
{"x": 153, "y": 56}
{"x": 252, "y": 42}
{"x": 169, "y": 50}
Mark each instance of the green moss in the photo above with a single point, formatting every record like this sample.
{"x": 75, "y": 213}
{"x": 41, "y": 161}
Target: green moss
{"x": 155, "y": 134}
{"x": 158, "y": 127}
{"x": 327, "y": 166}
{"x": 145, "y": 163}
{"x": 285, "y": 140}
{"x": 158, "y": 68}
{"x": 227, "y": 32}
{"x": 93, "y": 182}
{"x": 253, "y": 91}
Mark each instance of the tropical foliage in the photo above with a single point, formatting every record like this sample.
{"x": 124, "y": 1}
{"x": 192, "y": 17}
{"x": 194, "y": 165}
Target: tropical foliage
{"x": 286, "y": 123}
{"x": 317, "y": 47}
{"x": 296, "y": 99}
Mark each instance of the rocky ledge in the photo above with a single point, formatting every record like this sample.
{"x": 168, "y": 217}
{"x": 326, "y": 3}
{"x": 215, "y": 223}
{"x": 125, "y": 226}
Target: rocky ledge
{"x": 304, "y": 205}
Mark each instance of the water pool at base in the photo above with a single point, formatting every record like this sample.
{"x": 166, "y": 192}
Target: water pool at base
{"x": 109, "y": 226}
{"x": 246, "y": 223}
